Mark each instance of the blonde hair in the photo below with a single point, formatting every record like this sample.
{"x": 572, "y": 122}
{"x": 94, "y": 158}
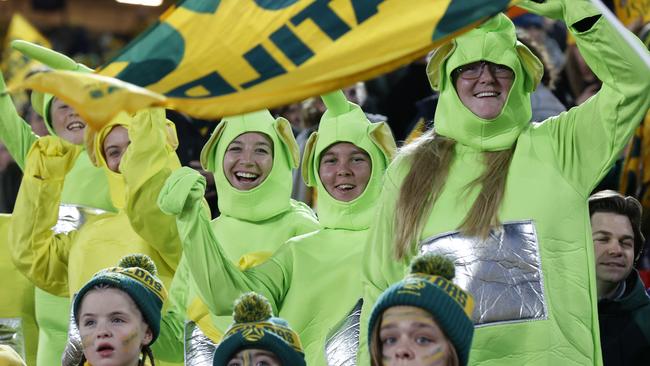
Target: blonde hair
{"x": 430, "y": 157}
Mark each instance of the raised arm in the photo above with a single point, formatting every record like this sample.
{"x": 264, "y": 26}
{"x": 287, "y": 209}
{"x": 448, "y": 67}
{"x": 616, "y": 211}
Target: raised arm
{"x": 587, "y": 139}
{"x": 15, "y": 133}
{"x": 36, "y": 251}
{"x": 147, "y": 163}
{"x": 218, "y": 280}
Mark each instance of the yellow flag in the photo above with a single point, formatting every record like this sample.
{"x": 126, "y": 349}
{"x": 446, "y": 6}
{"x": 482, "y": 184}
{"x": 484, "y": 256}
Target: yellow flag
{"x": 96, "y": 98}
{"x": 212, "y": 58}
{"x": 14, "y": 64}
{"x": 630, "y": 10}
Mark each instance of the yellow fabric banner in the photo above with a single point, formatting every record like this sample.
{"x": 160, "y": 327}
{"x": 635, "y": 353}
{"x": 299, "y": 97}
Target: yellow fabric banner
{"x": 14, "y": 64}
{"x": 630, "y": 10}
{"x": 211, "y": 58}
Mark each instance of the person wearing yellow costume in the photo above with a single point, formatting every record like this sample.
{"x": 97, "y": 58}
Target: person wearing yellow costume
{"x": 506, "y": 200}
{"x": 252, "y": 157}
{"x": 61, "y": 263}
{"x": 312, "y": 281}
{"x": 84, "y": 193}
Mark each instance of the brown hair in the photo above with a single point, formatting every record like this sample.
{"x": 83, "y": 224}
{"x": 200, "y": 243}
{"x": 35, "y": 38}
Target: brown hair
{"x": 430, "y": 157}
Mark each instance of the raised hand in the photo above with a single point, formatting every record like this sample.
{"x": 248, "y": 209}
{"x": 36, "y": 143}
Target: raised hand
{"x": 51, "y": 157}
{"x": 183, "y": 190}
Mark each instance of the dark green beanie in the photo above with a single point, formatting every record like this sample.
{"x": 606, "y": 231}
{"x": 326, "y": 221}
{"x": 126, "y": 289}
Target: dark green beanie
{"x": 429, "y": 287}
{"x": 135, "y": 275}
{"x": 255, "y": 327}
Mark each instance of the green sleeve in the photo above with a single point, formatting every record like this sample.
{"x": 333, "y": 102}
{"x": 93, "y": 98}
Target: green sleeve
{"x": 15, "y": 133}
{"x": 380, "y": 269}
{"x": 36, "y": 251}
{"x": 169, "y": 345}
{"x": 587, "y": 140}
{"x": 146, "y": 165}
{"x": 218, "y": 281}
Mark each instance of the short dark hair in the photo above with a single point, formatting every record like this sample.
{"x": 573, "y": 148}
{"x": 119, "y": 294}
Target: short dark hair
{"x": 613, "y": 202}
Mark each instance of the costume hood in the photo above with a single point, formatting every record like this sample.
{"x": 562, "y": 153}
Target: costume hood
{"x": 346, "y": 122}
{"x": 272, "y": 196}
{"x": 494, "y": 41}
{"x": 95, "y": 142}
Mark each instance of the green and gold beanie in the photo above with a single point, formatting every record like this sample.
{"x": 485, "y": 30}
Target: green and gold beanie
{"x": 429, "y": 287}
{"x": 255, "y": 327}
{"x": 135, "y": 275}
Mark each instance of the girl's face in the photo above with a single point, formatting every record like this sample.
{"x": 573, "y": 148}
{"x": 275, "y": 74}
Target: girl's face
{"x": 112, "y": 329}
{"x": 410, "y": 337}
{"x": 345, "y": 171}
{"x": 254, "y": 357}
{"x": 66, "y": 122}
{"x": 114, "y": 147}
{"x": 248, "y": 160}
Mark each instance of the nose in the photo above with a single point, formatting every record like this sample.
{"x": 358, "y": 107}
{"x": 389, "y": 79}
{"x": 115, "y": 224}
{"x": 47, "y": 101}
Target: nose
{"x": 615, "y": 249}
{"x": 486, "y": 75}
{"x": 102, "y": 331}
{"x": 343, "y": 169}
{"x": 403, "y": 352}
{"x": 246, "y": 157}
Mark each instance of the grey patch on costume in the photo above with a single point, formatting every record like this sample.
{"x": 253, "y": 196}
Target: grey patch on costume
{"x": 12, "y": 334}
{"x": 343, "y": 341}
{"x": 73, "y": 349}
{"x": 198, "y": 348}
{"x": 71, "y": 217}
{"x": 503, "y": 273}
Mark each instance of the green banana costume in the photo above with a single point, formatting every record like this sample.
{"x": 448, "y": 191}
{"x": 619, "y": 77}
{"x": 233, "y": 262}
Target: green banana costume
{"x": 298, "y": 277}
{"x": 253, "y": 224}
{"x": 533, "y": 278}
{"x": 62, "y": 263}
{"x": 85, "y": 186}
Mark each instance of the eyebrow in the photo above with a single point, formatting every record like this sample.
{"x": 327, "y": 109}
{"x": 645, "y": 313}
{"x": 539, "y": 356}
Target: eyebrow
{"x": 418, "y": 325}
{"x": 256, "y": 144}
{"x": 605, "y": 232}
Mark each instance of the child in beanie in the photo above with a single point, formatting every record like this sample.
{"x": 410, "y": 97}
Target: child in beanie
{"x": 258, "y": 338}
{"x": 118, "y": 313}
{"x": 424, "y": 320}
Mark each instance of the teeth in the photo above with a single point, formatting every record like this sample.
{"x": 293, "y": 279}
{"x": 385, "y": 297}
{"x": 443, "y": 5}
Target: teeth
{"x": 345, "y": 186}
{"x": 486, "y": 94}
{"x": 246, "y": 175}
{"x": 74, "y": 125}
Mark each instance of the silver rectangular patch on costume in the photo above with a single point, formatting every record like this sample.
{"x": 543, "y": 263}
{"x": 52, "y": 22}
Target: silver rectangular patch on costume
{"x": 198, "y": 348}
{"x": 503, "y": 273}
{"x": 12, "y": 334}
{"x": 343, "y": 341}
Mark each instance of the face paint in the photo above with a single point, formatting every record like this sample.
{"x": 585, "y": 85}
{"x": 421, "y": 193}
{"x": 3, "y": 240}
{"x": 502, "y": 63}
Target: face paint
{"x": 410, "y": 336}
{"x": 254, "y": 357}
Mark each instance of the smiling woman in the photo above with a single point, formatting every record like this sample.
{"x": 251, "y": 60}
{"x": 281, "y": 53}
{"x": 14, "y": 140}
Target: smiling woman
{"x": 248, "y": 160}
{"x": 345, "y": 170}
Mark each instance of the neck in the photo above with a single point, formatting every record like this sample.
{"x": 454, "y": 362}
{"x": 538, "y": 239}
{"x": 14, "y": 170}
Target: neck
{"x": 606, "y": 290}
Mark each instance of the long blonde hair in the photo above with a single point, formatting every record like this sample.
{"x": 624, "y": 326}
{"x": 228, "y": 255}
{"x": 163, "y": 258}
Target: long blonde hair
{"x": 430, "y": 157}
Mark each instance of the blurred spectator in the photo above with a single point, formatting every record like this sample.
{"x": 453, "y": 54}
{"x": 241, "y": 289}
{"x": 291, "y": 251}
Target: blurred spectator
{"x": 10, "y": 178}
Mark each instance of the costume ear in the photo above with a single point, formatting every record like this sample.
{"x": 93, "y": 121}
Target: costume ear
{"x": 208, "y": 149}
{"x": 382, "y": 136}
{"x": 532, "y": 66}
{"x": 172, "y": 136}
{"x": 283, "y": 129}
{"x": 89, "y": 139}
{"x": 308, "y": 173}
{"x": 46, "y": 56}
{"x": 435, "y": 73}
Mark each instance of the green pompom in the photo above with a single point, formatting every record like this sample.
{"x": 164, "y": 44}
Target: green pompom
{"x": 433, "y": 264}
{"x": 252, "y": 307}
{"x": 138, "y": 260}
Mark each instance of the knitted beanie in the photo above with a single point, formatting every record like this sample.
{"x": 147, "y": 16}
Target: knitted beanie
{"x": 255, "y": 327}
{"x": 135, "y": 275}
{"x": 429, "y": 287}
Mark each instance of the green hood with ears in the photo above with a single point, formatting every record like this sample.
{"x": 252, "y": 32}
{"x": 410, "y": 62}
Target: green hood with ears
{"x": 273, "y": 195}
{"x": 41, "y": 102}
{"x": 494, "y": 41}
{"x": 346, "y": 122}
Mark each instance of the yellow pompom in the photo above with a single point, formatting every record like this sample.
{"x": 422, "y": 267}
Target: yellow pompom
{"x": 252, "y": 307}
{"x": 138, "y": 260}
{"x": 433, "y": 264}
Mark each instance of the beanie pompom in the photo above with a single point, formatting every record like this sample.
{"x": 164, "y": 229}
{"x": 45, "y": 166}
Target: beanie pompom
{"x": 140, "y": 261}
{"x": 434, "y": 265}
{"x": 252, "y": 307}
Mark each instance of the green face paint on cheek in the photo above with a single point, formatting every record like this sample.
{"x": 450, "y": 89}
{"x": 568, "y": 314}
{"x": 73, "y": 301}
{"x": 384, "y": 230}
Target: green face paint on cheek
{"x": 87, "y": 341}
{"x": 436, "y": 357}
{"x": 129, "y": 338}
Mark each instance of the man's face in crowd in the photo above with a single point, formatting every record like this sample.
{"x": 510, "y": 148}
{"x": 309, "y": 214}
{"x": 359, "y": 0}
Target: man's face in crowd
{"x": 613, "y": 248}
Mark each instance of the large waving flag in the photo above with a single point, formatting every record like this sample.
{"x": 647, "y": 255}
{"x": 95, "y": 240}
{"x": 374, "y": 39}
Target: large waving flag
{"x": 211, "y": 58}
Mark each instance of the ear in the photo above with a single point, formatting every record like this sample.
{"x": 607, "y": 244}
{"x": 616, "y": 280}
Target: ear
{"x": 308, "y": 174}
{"x": 532, "y": 66}
{"x": 439, "y": 56}
{"x": 382, "y": 136}
{"x": 283, "y": 129}
{"x": 208, "y": 149}
{"x": 148, "y": 336}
